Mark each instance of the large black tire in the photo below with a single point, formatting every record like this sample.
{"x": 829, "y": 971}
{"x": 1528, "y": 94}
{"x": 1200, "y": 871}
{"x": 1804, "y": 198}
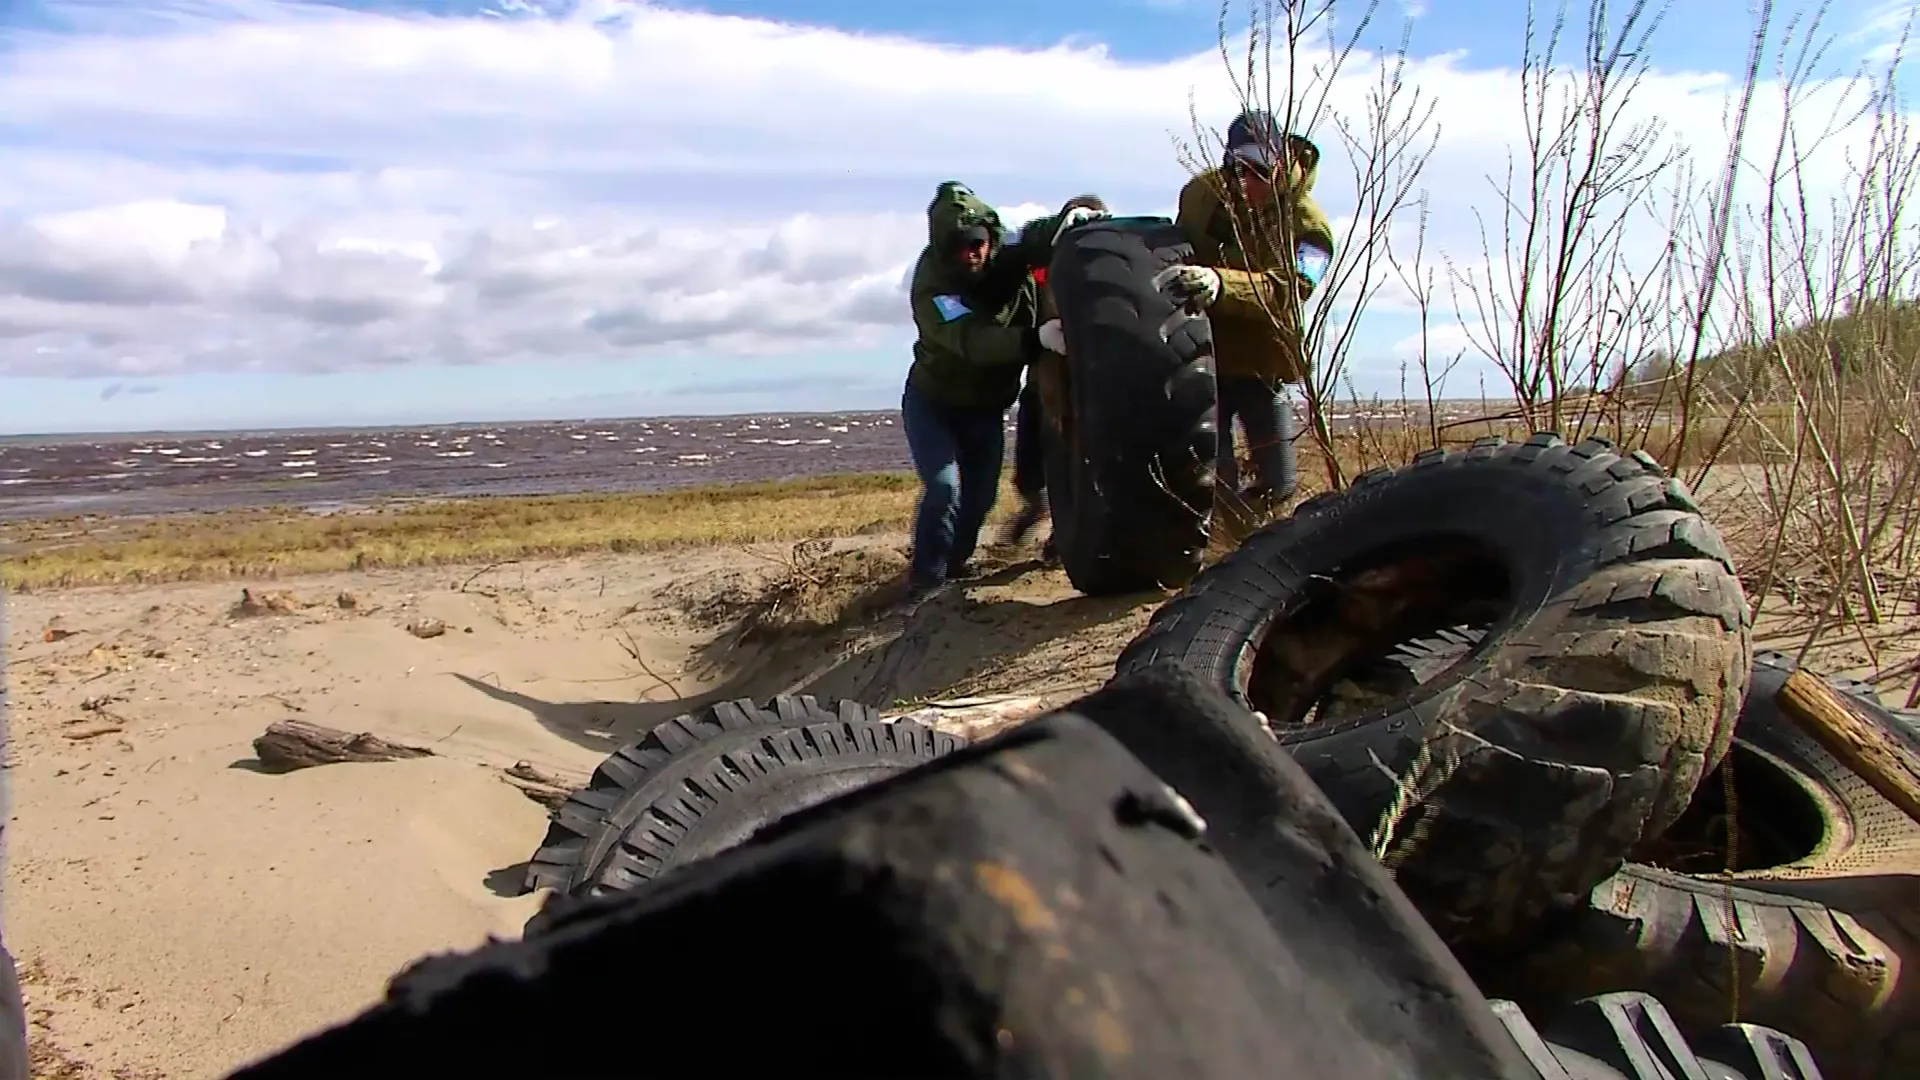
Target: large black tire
{"x": 704, "y": 782}
{"x": 1827, "y": 943}
{"x": 1616, "y": 654}
{"x": 1130, "y": 436}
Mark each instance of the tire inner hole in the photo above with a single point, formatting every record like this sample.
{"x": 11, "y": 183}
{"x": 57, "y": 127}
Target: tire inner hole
{"x": 1372, "y": 632}
{"x": 1774, "y": 820}
{"x": 1380, "y": 628}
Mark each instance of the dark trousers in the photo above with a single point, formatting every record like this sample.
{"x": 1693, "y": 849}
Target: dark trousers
{"x": 957, "y": 453}
{"x": 1029, "y": 455}
{"x": 1266, "y": 414}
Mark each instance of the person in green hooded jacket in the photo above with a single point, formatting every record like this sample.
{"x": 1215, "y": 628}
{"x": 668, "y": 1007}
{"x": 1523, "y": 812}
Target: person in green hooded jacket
{"x": 976, "y": 308}
{"x": 1261, "y": 246}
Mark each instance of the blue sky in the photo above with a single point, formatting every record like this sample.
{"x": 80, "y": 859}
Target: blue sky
{"x": 229, "y": 213}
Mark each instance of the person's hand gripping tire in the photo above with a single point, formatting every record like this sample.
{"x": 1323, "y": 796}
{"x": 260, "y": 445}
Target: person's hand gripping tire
{"x": 1193, "y": 288}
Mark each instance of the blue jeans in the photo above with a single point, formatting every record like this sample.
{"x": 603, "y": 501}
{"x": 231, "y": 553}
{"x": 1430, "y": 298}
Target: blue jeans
{"x": 957, "y": 453}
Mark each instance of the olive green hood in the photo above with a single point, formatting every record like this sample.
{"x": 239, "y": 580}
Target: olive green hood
{"x": 955, "y": 209}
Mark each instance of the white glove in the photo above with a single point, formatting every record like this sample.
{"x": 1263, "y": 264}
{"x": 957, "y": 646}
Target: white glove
{"x": 1079, "y": 215}
{"x": 1052, "y": 337}
{"x": 1195, "y": 284}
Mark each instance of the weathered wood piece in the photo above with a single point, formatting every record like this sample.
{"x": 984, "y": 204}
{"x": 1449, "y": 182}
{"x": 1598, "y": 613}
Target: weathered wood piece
{"x": 295, "y": 744}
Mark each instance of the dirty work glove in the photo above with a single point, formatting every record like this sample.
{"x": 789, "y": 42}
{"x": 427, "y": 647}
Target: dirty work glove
{"x": 1079, "y": 215}
{"x": 1052, "y": 337}
{"x": 1198, "y": 285}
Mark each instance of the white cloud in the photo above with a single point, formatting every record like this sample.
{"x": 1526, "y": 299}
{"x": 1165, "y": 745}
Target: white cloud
{"x": 1884, "y": 30}
{"x": 257, "y": 185}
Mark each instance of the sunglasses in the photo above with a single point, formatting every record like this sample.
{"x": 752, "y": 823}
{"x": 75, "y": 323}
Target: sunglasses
{"x": 1266, "y": 162}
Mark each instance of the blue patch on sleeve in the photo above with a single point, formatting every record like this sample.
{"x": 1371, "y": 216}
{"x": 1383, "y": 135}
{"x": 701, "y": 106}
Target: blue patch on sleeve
{"x": 950, "y": 307}
{"x": 1311, "y": 260}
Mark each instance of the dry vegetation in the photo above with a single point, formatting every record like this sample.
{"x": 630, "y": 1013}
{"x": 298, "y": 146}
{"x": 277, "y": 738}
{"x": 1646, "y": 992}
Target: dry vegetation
{"x": 270, "y": 543}
{"x": 1708, "y": 304}
{"x": 1750, "y": 327}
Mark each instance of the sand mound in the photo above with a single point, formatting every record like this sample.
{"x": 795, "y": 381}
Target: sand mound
{"x": 824, "y": 621}
{"x": 816, "y": 587}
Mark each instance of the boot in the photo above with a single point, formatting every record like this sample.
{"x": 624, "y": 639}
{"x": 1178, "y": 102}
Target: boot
{"x": 1021, "y": 525}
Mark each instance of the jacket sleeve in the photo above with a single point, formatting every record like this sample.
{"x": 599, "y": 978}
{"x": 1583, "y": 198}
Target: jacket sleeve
{"x": 1310, "y": 226}
{"x": 946, "y": 323}
{"x": 1191, "y": 219}
{"x": 1255, "y": 294}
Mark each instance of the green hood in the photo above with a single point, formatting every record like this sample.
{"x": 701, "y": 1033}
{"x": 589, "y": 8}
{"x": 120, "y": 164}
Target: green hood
{"x": 1305, "y": 168}
{"x": 955, "y": 209}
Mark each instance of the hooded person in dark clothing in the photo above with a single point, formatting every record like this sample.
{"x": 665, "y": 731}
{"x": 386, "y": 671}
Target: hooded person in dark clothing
{"x": 976, "y": 308}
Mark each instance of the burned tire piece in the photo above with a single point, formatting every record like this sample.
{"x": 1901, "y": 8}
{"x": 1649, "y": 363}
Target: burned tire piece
{"x": 1130, "y": 436}
{"x": 1616, "y": 651}
{"x": 1039, "y": 905}
{"x": 705, "y": 781}
{"x": 1825, "y": 933}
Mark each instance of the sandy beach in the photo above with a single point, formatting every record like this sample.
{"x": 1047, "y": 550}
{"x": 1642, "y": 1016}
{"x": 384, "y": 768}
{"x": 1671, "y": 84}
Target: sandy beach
{"x": 176, "y": 912}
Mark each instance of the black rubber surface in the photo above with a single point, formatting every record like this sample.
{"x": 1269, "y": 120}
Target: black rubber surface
{"x": 1130, "y": 437}
{"x": 1321, "y": 891}
{"x": 705, "y": 781}
{"x": 1615, "y": 659}
{"x": 1827, "y": 945}
{"x": 1630, "y": 1036}
{"x": 1038, "y": 906}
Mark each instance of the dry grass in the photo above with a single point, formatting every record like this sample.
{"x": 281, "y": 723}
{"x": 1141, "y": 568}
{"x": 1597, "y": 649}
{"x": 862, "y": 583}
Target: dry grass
{"x": 279, "y": 542}
{"x": 269, "y": 543}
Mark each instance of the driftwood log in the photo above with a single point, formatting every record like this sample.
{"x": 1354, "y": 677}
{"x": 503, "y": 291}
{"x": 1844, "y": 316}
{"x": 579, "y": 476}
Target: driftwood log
{"x": 546, "y": 788}
{"x": 295, "y": 744}
{"x": 975, "y": 717}
{"x": 1866, "y": 748}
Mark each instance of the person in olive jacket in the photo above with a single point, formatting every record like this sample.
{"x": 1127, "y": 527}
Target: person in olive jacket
{"x": 977, "y": 312}
{"x": 1261, "y": 245}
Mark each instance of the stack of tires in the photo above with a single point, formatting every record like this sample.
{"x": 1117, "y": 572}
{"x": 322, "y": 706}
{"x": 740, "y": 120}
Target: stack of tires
{"x": 1525, "y": 672}
{"x": 1047, "y": 905}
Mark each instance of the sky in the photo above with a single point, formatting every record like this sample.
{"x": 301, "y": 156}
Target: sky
{"x": 250, "y": 213}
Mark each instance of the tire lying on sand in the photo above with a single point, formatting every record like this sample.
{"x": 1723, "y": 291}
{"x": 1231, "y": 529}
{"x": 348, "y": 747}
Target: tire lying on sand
{"x": 1821, "y": 915}
{"x": 1129, "y": 435}
{"x": 1615, "y": 654}
{"x": 705, "y": 781}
